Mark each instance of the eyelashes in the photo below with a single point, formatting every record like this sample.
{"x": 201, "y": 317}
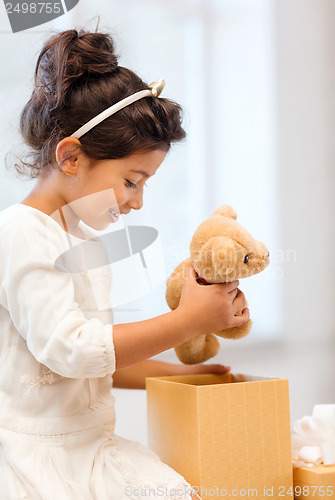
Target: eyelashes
{"x": 132, "y": 185}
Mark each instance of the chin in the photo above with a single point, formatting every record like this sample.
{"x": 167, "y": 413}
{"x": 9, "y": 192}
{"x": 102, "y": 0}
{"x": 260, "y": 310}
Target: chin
{"x": 101, "y": 227}
{"x": 97, "y": 225}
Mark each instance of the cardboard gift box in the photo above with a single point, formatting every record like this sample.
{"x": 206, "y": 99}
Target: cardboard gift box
{"x": 314, "y": 483}
{"x": 228, "y": 435}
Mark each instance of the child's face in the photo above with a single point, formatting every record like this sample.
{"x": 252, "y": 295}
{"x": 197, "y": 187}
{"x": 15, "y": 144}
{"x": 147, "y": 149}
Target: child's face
{"x": 112, "y": 187}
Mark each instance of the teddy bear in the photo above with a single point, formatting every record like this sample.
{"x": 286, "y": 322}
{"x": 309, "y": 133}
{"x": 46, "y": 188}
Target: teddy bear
{"x": 221, "y": 251}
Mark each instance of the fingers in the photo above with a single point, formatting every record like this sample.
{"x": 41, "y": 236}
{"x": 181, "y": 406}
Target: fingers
{"x": 239, "y": 301}
{"x": 216, "y": 368}
{"x": 230, "y": 287}
{"x": 208, "y": 368}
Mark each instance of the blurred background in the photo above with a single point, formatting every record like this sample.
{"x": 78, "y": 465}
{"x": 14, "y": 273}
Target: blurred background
{"x": 256, "y": 80}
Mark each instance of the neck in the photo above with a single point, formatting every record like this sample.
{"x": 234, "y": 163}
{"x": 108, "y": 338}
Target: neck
{"x": 46, "y": 198}
{"x": 69, "y": 221}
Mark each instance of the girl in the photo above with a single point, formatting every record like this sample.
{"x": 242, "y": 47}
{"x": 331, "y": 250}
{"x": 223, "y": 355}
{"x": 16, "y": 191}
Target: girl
{"x": 58, "y": 345}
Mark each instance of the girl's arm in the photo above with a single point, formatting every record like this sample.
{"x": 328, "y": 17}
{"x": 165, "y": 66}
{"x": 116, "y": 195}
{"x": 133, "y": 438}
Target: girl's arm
{"x": 133, "y": 377}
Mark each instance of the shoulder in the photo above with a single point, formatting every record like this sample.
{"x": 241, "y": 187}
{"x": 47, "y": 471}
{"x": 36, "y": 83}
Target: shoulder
{"x": 18, "y": 212}
{"x": 21, "y": 225}
{"x": 9, "y": 214}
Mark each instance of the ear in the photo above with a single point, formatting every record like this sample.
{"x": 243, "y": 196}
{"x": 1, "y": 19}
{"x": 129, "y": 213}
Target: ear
{"x": 66, "y": 151}
{"x": 226, "y": 211}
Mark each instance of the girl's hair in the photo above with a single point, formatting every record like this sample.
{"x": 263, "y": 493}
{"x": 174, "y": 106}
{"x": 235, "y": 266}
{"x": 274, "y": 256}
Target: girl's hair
{"x": 76, "y": 77}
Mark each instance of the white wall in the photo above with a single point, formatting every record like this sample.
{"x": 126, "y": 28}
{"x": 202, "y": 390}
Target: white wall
{"x": 305, "y": 102}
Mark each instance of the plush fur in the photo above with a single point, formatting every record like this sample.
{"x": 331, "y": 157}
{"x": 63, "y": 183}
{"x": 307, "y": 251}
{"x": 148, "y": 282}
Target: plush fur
{"x": 221, "y": 251}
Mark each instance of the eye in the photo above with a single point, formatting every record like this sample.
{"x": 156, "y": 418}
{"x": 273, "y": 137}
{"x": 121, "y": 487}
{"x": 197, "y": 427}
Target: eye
{"x": 246, "y": 258}
{"x": 130, "y": 184}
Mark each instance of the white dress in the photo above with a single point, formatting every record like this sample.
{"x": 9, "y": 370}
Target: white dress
{"x": 57, "y": 356}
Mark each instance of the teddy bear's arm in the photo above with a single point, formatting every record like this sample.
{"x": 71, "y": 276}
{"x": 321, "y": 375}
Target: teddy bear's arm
{"x": 174, "y": 284}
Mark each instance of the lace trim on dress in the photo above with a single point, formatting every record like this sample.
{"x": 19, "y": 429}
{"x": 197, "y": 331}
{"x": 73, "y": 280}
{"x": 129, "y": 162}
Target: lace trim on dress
{"x": 33, "y": 384}
{"x": 109, "y": 432}
{"x": 181, "y": 491}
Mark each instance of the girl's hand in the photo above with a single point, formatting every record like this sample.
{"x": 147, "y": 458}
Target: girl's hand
{"x": 211, "y": 308}
{"x": 201, "y": 368}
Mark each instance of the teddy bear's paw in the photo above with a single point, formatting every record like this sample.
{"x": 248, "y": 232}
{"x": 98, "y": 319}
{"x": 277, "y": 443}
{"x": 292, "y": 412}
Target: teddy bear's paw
{"x": 198, "y": 349}
{"x": 238, "y": 332}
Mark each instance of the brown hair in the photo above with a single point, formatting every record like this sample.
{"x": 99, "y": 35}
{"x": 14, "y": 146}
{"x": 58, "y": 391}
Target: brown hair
{"x": 77, "y": 77}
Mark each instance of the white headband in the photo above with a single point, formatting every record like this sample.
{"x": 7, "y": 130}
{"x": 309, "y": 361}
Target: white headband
{"x": 154, "y": 89}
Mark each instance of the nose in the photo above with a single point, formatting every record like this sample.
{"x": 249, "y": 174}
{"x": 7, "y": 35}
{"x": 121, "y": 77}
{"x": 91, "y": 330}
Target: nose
{"x": 136, "y": 201}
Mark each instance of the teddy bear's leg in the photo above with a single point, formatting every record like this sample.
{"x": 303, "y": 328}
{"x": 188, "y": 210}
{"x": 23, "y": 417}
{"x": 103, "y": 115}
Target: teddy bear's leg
{"x": 198, "y": 349}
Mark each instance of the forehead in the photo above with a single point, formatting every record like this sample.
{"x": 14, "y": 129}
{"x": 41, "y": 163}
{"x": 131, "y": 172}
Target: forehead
{"x": 145, "y": 164}
{"x": 142, "y": 172}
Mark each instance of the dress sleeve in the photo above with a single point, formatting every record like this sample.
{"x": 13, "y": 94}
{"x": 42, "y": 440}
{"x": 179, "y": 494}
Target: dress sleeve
{"x": 41, "y": 302}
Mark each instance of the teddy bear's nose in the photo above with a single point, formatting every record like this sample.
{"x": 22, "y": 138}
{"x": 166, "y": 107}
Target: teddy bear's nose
{"x": 268, "y": 253}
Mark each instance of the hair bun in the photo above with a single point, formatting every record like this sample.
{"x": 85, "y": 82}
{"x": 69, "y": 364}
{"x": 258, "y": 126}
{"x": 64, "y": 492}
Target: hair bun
{"x": 69, "y": 56}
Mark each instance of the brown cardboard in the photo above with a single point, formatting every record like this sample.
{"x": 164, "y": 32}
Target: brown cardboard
{"x": 228, "y": 435}
{"x": 314, "y": 483}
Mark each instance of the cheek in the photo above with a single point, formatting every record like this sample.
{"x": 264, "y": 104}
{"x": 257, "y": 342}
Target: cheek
{"x": 121, "y": 194}
{"x": 99, "y": 200}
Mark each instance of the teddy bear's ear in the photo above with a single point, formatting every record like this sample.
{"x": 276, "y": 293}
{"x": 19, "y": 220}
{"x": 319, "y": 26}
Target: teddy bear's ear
{"x": 226, "y": 211}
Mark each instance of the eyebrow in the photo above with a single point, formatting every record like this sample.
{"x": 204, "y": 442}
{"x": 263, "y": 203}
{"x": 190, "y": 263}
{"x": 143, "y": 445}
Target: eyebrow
{"x": 140, "y": 172}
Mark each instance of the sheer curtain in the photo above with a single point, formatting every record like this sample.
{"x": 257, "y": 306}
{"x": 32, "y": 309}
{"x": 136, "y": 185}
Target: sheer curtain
{"x": 217, "y": 60}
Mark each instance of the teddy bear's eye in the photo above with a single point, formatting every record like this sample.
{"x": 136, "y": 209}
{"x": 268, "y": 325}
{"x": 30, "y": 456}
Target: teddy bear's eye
{"x": 246, "y": 258}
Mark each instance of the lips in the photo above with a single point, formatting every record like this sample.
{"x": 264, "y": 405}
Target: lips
{"x": 114, "y": 214}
